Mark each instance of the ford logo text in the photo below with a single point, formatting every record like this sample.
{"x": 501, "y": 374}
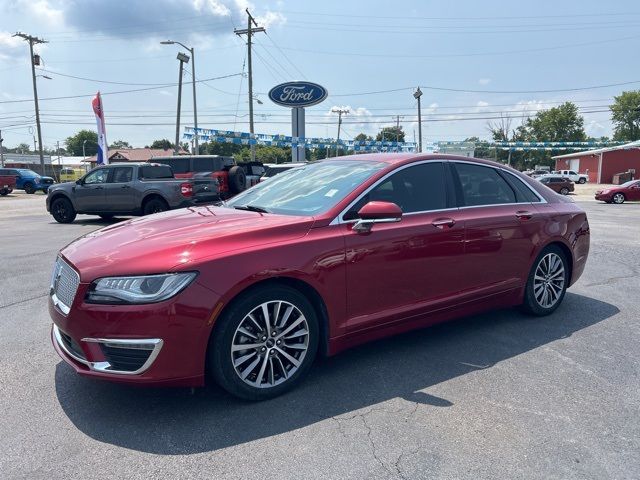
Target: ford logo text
{"x": 297, "y": 94}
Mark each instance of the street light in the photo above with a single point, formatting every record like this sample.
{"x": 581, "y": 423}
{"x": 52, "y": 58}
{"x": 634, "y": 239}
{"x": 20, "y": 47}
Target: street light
{"x": 193, "y": 82}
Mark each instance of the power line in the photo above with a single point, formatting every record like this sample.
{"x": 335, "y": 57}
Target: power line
{"x": 286, "y": 56}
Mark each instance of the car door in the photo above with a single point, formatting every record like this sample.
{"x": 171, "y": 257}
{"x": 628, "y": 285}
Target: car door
{"x": 119, "y": 192}
{"x": 501, "y": 224}
{"x": 405, "y": 268}
{"x": 633, "y": 192}
{"x": 89, "y": 193}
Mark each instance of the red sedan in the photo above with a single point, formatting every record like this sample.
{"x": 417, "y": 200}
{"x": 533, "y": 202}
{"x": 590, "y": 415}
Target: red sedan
{"x": 318, "y": 259}
{"x": 620, "y": 193}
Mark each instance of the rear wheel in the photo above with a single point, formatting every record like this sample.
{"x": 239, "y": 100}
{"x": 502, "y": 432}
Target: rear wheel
{"x": 582, "y": 180}
{"x": 29, "y": 188}
{"x": 4, "y": 192}
{"x": 547, "y": 282}
{"x": 63, "y": 211}
{"x": 154, "y": 205}
{"x": 618, "y": 198}
{"x": 264, "y": 344}
{"x": 237, "y": 179}
{"x": 564, "y": 191}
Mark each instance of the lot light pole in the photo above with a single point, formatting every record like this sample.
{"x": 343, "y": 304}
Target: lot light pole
{"x": 182, "y": 58}
{"x": 196, "y": 149}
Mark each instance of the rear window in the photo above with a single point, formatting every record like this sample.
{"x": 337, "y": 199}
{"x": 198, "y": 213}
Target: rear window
{"x": 156, "y": 171}
{"x": 178, "y": 165}
{"x": 204, "y": 165}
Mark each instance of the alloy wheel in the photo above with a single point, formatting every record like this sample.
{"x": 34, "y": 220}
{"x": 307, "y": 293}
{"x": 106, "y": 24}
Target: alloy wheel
{"x": 618, "y": 198}
{"x": 270, "y": 344}
{"x": 549, "y": 280}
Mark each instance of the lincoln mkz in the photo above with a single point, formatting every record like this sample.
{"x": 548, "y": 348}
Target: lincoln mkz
{"x": 313, "y": 261}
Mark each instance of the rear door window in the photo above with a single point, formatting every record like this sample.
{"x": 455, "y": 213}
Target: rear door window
{"x": 482, "y": 185}
{"x": 178, "y": 165}
{"x": 122, "y": 175}
{"x": 156, "y": 171}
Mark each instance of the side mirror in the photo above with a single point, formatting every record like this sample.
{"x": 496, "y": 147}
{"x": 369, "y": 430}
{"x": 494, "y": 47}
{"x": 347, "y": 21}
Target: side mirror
{"x": 377, "y": 212}
{"x": 79, "y": 181}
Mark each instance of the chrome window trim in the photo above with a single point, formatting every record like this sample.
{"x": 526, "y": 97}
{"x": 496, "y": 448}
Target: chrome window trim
{"x": 105, "y": 367}
{"x": 339, "y": 220}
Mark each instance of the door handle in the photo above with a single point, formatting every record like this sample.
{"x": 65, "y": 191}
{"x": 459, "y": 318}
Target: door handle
{"x": 98, "y": 188}
{"x": 125, "y": 186}
{"x": 443, "y": 222}
{"x": 524, "y": 215}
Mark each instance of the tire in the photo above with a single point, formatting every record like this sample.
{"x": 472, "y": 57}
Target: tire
{"x": 107, "y": 216}
{"x": 45, "y": 190}
{"x": 618, "y": 198}
{"x": 270, "y": 364}
{"x": 63, "y": 211}
{"x": 154, "y": 205}
{"x": 4, "y": 192}
{"x": 545, "y": 291}
{"x": 564, "y": 191}
{"x": 582, "y": 181}
{"x": 29, "y": 188}
{"x": 237, "y": 179}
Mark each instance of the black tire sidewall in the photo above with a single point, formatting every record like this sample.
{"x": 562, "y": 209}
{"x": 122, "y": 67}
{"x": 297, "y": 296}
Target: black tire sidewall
{"x": 69, "y": 205}
{"x": 149, "y": 209}
{"x": 582, "y": 181}
{"x": 218, "y": 354}
{"x": 29, "y": 188}
{"x": 530, "y": 305}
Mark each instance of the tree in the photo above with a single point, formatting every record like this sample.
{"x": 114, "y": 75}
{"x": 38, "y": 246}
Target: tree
{"x": 363, "y": 137}
{"x": 625, "y": 115}
{"x": 480, "y": 151}
{"x": 120, "y": 144}
{"x": 390, "y": 134}
{"x": 75, "y": 142}
{"x": 266, "y": 154}
{"x": 163, "y": 144}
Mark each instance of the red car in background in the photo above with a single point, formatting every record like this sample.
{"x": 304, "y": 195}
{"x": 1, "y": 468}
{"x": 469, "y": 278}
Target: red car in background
{"x": 629, "y": 191}
{"x": 7, "y": 184}
{"x": 316, "y": 260}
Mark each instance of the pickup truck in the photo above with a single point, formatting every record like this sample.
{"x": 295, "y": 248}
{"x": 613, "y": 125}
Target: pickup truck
{"x": 28, "y": 180}
{"x": 127, "y": 189}
{"x": 7, "y": 184}
{"x": 573, "y": 176}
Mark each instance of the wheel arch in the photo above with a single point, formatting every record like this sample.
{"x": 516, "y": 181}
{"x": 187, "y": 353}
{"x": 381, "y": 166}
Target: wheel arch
{"x": 58, "y": 195}
{"x": 150, "y": 196}
{"x": 301, "y": 286}
{"x": 564, "y": 247}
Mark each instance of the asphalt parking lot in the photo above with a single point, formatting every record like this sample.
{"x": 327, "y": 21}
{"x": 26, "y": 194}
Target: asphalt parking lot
{"x": 500, "y": 395}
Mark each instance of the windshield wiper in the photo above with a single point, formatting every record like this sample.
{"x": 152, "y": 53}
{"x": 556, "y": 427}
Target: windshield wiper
{"x": 251, "y": 208}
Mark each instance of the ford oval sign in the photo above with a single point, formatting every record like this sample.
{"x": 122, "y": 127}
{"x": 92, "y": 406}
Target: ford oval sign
{"x": 297, "y": 94}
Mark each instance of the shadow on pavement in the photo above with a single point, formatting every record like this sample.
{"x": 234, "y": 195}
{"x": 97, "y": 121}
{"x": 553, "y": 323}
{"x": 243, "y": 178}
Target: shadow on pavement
{"x": 174, "y": 421}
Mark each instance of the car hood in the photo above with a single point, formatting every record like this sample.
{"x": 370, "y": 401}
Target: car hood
{"x": 177, "y": 240}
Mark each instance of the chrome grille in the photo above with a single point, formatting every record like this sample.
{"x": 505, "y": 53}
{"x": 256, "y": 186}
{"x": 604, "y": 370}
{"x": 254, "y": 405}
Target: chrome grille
{"x": 64, "y": 285}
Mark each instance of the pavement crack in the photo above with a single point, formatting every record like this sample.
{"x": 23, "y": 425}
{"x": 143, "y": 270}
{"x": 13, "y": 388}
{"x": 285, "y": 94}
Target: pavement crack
{"x": 23, "y": 300}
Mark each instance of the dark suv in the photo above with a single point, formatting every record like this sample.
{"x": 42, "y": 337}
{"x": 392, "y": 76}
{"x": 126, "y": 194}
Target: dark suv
{"x": 232, "y": 178}
{"x": 558, "y": 183}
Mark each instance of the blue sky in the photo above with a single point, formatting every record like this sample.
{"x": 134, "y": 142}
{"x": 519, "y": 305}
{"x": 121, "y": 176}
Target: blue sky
{"x": 490, "y": 49}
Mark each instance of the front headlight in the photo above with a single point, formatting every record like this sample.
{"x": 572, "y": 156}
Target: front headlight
{"x": 139, "y": 289}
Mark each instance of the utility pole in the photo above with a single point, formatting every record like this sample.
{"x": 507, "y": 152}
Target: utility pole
{"x": 182, "y": 58}
{"x": 417, "y": 94}
{"x": 339, "y": 111}
{"x": 34, "y": 41}
{"x": 248, "y": 32}
{"x": 398, "y": 117}
{"x": 1, "y": 150}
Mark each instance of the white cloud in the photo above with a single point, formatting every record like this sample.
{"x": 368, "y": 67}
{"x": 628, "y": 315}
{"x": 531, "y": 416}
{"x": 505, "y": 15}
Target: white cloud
{"x": 484, "y": 81}
{"x": 217, "y": 8}
{"x": 7, "y": 40}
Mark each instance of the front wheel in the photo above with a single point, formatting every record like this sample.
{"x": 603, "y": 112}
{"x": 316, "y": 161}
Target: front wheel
{"x": 63, "y": 211}
{"x": 264, "y": 344}
{"x": 564, "y": 191}
{"x": 547, "y": 283}
{"x": 29, "y": 188}
{"x": 618, "y": 198}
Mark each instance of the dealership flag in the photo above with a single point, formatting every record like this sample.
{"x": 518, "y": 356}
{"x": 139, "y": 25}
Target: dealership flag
{"x": 103, "y": 153}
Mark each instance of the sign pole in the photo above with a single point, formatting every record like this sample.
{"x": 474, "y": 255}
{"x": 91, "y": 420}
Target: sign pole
{"x": 297, "y": 130}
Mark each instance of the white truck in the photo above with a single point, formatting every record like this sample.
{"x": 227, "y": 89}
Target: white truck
{"x": 574, "y": 176}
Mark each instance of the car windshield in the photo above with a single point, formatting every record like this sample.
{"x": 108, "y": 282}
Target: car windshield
{"x": 307, "y": 190}
{"x": 25, "y": 171}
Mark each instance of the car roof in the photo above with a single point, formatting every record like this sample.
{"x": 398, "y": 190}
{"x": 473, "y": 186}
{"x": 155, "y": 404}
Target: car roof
{"x": 400, "y": 158}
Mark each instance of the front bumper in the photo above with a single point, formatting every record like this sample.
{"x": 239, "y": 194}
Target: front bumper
{"x": 161, "y": 344}
{"x": 603, "y": 197}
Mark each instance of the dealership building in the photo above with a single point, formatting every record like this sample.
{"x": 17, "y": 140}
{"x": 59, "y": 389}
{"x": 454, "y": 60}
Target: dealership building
{"x": 603, "y": 163}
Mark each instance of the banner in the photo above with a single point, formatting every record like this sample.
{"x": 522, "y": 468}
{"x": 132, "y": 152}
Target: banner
{"x": 103, "y": 152}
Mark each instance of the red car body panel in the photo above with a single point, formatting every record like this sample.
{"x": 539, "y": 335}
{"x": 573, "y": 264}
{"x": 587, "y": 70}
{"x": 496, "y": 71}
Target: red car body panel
{"x": 398, "y": 277}
{"x": 631, "y": 193}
